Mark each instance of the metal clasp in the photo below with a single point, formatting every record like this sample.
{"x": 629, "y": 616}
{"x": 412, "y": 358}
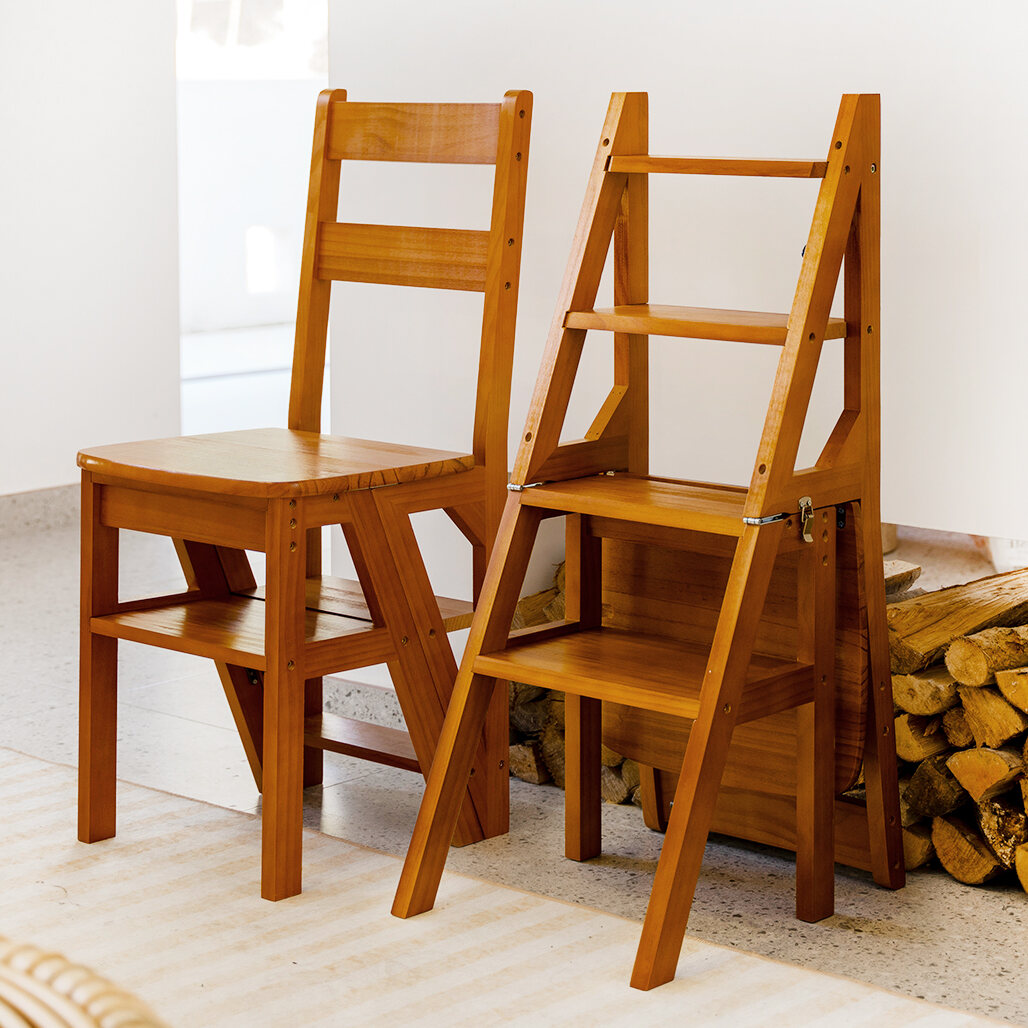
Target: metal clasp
{"x": 807, "y": 518}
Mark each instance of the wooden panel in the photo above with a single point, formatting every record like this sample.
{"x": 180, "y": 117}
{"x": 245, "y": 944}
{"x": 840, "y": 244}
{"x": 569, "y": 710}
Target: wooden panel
{"x": 646, "y": 163}
{"x": 390, "y": 746}
{"x": 642, "y": 670}
{"x": 270, "y": 462}
{"x": 437, "y": 258}
{"x": 645, "y": 500}
{"x": 678, "y": 594}
{"x": 694, "y": 323}
{"x": 430, "y": 133}
{"x": 201, "y": 519}
{"x": 231, "y": 631}
{"x": 345, "y": 597}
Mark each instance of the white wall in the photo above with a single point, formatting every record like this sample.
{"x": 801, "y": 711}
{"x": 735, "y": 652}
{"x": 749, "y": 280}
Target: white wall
{"x": 244, "y": 161}
{"x": 88, "y": 260}
{"x": 750, "y": 78}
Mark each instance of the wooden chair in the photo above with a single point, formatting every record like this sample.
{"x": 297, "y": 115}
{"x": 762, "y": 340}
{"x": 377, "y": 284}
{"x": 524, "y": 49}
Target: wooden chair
{"x": 619, "y": 647}
{"x": 272, "y": 490}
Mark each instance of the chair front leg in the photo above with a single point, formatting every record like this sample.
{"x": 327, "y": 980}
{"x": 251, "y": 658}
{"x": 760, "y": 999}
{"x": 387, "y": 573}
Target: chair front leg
{"x": 282, "y": 812}
{"x": 98, "y": 673}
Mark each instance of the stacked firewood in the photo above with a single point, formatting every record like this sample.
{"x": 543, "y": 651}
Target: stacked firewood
{"x": 960, "y": 686}
{"x": 537, "y": 717}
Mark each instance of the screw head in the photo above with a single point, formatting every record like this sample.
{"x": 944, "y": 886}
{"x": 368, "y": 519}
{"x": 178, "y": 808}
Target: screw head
{"x": 290, "y": 665}
{"x": 292, "y": 522}
{"x": 292, "y": 547}
{"x": 404, "y": 640}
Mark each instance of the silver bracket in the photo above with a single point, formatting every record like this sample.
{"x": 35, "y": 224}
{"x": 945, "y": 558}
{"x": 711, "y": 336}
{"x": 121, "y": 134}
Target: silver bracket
{"x": 770, "y": 519}
{"x": 513, "y": 487}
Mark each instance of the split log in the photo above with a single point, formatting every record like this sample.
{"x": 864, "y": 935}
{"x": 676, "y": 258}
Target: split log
{"x": 612, "y": 785}
{"x": 975, "y": 659}
{"x": 1013, "y": 684}
{"x": 1004, "y": 826}
{"x": 1021, "y": 866}
{"x": 954, "y": 724}
{"x": 933, "y": 791}
{"x": 526, "y": 762}
{"x": 984, "y": 772}
{"x": 530, "y": 718}
{"x": 908, "y": 816}
{"x": 552, "y": 743}
{"x": 900, "y": 576}
{"x": 962, "y": 853}
{"x": 555, "y": 709}
{"x": 915, "y": 740}
{"x": 921, "y": 628}
{"x": 991, "y": 719}
{"x": 917, "y": 846}
{"x": 608, "y": 758}
{"x": 925, "y": 692}
{"x": 630, "y": 773}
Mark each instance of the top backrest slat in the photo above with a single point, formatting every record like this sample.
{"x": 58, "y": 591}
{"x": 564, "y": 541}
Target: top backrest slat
{"x": 429, "y": 133}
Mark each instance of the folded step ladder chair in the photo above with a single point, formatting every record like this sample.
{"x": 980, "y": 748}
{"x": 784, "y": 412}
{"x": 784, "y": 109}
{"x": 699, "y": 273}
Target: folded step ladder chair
{"x": 273, "y": 490}
{"x": 712, "y": 678}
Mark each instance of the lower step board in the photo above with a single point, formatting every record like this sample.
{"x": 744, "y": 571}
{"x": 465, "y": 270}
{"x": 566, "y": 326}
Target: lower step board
{"x": 390, "y": 746}
{"x": 640, "y": 670}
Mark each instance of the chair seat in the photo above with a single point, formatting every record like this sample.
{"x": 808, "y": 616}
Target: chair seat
{"x": 270, "y": 462}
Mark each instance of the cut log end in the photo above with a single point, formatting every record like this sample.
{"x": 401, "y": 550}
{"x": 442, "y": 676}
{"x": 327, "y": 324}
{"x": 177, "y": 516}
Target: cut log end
{"x": 962, "y": 853}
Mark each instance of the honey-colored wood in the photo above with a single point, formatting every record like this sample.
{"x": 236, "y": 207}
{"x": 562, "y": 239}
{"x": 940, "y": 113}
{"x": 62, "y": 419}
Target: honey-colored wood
{"x": 377, "y": 743}
{"x": 730, "y": 650}
{"x": 435, "y": 133}
{"x": 345, "y": 597}
{"x": 642, "y": 164}
{"x": 439, "y": 258}
{"x": 645, "y": 671}
{"x": 274, "y": 490}
{"x": 694, "y": 323}
{"x": 98, "y": 673}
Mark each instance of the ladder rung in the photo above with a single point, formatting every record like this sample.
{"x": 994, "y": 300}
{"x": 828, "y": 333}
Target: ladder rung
{"x": 646, "y": 671}
{"x": 378, "y": 743}
{"x": 646, "y": 501}
{"x": 694, "y": 323}
{"x": 645, "y": 163}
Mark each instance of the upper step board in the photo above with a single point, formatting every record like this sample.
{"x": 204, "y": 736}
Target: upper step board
{"x": 647, "y": 501}
{"x": 648, "y": 163}
{"x": 694, "y": 323}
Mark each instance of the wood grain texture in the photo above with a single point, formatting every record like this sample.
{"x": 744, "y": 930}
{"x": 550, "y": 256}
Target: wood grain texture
{"x": 98, "y": 673}
{"x": 345, "y": 597}
{"x": 641, "y": 164}
{"x": 420, "y": 132}
{"x": 377, "y": 743}
{"x": 694, "y": 323}
{"x": 646, "y": 501}
{"x": 435, "y": 258}
{"x": 270, "y": 462}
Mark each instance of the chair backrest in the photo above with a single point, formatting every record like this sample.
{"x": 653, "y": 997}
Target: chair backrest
{"x": 441, "y": 258}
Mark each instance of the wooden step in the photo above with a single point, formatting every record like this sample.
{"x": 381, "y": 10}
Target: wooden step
{"x": 640, "y": 670}
{"x": 390, "y": 746}
{"x": 647, "y": 163}
{"x": 232, "y": 630}
{"x": 345, "y": 597}
{"x": 647, "y": 501}
{"x": 694, "y": 323}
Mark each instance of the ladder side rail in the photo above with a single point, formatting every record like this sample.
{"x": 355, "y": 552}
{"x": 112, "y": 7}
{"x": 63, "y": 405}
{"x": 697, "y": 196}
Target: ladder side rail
{"x": 581, "y": 280}
{"x": 776, "y": 456}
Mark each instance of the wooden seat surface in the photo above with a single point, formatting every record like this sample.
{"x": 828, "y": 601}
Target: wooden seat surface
{"x": 269, "y": 462}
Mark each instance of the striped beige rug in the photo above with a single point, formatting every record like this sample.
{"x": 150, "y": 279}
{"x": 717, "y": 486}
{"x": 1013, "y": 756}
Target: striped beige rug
{"x": 170, "y": 910}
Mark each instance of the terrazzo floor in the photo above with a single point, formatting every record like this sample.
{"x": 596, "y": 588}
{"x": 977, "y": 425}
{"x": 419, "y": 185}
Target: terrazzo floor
{"x": 935, "y": 939}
